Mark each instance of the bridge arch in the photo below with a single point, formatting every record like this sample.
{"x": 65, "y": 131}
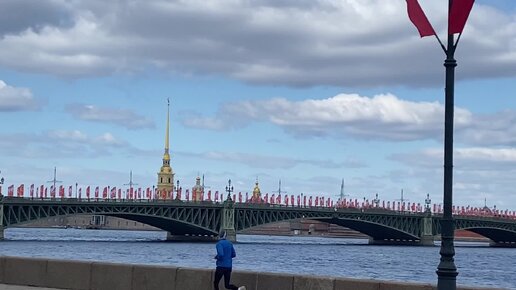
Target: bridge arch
{"x": 375, "y": 231}
{"x": 497, "y": 235}
{"x": 175, "y": 218}
{"x": 377, "y": 225}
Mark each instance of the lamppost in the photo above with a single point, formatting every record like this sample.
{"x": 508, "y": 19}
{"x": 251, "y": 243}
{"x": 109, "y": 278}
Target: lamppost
{"x": 428, "y": 201}
{"x": 458, "y": 13}
{"x": 1, "y": 183}
{"x": 177, "y": 189}
{"x": 446, "y": 270}
{"x": 153, "y": 192}
{"x": 76, "y": 185}
{"x": 229, "y": 189}
{"x": 376, "y": 201}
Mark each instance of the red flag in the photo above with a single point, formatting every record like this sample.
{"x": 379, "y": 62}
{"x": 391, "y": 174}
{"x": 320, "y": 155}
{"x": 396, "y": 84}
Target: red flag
{"x": 97, "y": 192}
{"x": 418, "y": 18}
{"x": 88, "y": 192}
{"x": 21, "y": 190}
{"x": 459, "y": 13}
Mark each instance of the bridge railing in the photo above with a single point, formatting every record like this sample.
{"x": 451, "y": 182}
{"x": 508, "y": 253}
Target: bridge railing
{"x": 113, "y": 194}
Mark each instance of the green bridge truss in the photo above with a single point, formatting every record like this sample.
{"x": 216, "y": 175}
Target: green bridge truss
{"x": 205, "y": 219}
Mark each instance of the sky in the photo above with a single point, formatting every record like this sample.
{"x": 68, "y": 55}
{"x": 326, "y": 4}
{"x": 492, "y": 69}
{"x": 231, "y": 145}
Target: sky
{"x": 309, "y": 92}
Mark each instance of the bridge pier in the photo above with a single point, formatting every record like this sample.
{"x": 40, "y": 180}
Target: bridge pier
{"x": 401, "y": 242}
{"x": 1, "y": 220}
{"x": 228, "y": 220}
{"x": 502, "y": 244}
{"x": 191, "y": 238}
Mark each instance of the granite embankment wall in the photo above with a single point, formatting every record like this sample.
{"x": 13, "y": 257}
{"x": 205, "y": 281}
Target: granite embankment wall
{"x": 84, "y": 275}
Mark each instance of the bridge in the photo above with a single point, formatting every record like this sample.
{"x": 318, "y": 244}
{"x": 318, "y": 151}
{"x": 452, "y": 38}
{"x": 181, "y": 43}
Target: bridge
{"x": 204, "y": 220}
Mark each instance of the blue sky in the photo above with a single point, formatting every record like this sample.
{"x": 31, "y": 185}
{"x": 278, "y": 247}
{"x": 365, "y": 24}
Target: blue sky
{"x": 308, "y": 92}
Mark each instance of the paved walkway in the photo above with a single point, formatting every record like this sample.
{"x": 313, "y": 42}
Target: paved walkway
{"x": 15, "y": 287}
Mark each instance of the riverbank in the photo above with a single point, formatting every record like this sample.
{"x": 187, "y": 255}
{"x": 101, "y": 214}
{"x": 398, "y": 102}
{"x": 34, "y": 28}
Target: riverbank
{"x": 86, "y": 275}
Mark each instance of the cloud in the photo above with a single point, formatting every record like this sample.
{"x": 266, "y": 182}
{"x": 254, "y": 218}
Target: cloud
{"x": 18, "y": 15}
{"x": 498, "y": 129}
{"x": 271, "y": 162}
{"x": 61, "y": 143}
{"x": 465, "y": 159}
{"x": 14, "y": 99}
{"x": 479, "y": 173}
{"x": 296, "y": 43}
{"x": 382, "y": 117}
{"x": 120, "y": 117}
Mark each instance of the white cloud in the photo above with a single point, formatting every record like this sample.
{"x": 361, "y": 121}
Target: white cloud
{"x": 61, "y": 144}
{"x": 344, "y": 43}
{"x": 271, "y": 162}
{"x": 14, "y": 99}
{"x": 74, "y": 135}
{"x": 383, "y": 117}
{"x": 120, "y": 117}
{"x": 478, "y": 173}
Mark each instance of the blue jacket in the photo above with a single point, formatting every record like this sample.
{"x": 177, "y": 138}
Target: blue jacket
{"x": 225, "y": 253}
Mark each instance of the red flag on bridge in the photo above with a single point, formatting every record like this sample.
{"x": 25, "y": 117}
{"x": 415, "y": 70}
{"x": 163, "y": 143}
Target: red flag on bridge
{"x": 21, "y": 190}
{"x": 419, "y": 19}
{"x": 458, "y": 15}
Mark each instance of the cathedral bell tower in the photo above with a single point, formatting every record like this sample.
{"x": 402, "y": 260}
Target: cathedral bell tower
{"x": 166, "y": 174}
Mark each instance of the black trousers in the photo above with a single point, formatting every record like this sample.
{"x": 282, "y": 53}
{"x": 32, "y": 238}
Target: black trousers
{"x": 226, "y": 272}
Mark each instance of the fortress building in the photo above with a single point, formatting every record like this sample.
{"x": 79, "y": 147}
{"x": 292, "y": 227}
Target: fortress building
{"x": 198, "y": 190}
{"x": 166, "y": 174}
{"x": 257, "y": 196}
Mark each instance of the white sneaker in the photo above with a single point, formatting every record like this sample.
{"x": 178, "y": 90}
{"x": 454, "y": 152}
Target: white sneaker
{"x": 242, "y": 288}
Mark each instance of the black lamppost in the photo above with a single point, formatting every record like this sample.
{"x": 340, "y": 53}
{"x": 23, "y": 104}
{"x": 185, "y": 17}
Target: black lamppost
{"x": 76, "y": 185}
{"x": 458, "y": 13}
{"x": 177, "y": 189}
{"x": 1, "y": 183}
{"x": 428, "y": 202}
{"x": 376, "y": 201}
{"x": 446, "y": 270}
{"x": 229, "y": 190}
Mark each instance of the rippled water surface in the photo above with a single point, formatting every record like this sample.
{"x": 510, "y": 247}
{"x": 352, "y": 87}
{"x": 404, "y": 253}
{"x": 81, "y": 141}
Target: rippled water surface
{"x": 479, "y": 265}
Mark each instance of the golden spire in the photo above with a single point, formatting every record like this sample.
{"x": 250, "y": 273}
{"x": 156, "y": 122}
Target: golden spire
{"x": 166, "y": 174}
{"x": 168, "y": 126}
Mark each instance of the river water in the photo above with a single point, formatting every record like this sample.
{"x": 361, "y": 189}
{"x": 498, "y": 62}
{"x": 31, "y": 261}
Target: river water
{"x": 478, "y": 264}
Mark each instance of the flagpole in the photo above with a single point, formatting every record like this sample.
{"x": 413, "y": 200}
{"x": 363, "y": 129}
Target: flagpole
{"x": 446, "y": 270}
